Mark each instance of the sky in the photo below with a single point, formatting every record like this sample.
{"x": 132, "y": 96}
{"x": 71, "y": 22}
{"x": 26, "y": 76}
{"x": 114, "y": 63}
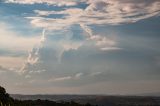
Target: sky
{"x": 80, "y": 46}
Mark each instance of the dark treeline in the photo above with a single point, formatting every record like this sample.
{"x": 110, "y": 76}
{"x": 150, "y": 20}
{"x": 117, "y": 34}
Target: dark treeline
{"x": 6, "y": 100}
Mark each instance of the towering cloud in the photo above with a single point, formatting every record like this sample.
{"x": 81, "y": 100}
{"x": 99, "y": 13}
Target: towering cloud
{"x": 97, "y": 12}
{"x": 33, "y": 56}
{"x": 80, "y": 43}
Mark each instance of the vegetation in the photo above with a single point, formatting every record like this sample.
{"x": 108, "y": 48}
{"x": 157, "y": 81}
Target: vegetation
{"x": 6, "y": 100}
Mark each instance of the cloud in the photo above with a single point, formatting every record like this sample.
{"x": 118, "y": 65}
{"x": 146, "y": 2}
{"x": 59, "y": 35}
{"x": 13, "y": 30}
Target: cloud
{"x": 33, "y": 55}
{"x": 27, "y": 76}
{"x": 78, "y": 75}
{"x": 49, "y": 2}
{"x": 124, "y": 11}
{"x": 65, "y": 78}
{"x": 110, "y": 48}
{"x": 97, "y": 12}
{"x": 101, "y": 42}
{"x": 5, "y": 69}
{"x": 61, "y": 79}
{"x": 38, "y": 71}
{"x": 2, "y": 68}
{"x": 95, "y": 73}
{"x": 11, "y": 62}
{"x": 19, "y": 43}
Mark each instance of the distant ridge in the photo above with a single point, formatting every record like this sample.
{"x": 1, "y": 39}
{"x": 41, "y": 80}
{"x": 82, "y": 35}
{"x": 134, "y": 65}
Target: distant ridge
{"x": 150, "y": 94}
{"x": 100, "y": 100}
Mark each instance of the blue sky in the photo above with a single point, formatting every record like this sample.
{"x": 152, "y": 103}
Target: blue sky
{"x": 80, "y": 47}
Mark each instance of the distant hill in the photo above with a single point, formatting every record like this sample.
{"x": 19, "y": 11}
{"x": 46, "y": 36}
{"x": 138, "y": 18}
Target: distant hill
{"x": 150, "y": 94}
{"x": 6, "y": 100}
{"x": 76, "y": 100}
{"x": 99, "y": 100}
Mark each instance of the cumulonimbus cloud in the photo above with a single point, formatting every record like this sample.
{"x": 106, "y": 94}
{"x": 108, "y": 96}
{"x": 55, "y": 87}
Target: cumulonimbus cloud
{"x": 97, "y": 12}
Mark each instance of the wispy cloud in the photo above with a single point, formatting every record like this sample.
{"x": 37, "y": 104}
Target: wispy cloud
{"x": 65, "y": 78}
{"x": 95, "y": 73}
{"x": 6, "y": 69}
{"x": 78, "y": 75}
{"x": 60, "y": 79}
{"x": 101, "y": 42}
{"x": 99, "y": 12}
{"x": 49, "y": 2}
{"x": 27, "y": 76}
{"x": 37, "y": 71}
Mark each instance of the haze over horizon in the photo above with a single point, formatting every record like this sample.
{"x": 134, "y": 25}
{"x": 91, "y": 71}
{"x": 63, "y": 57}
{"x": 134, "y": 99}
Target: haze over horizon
{"x": 80, "y": 46}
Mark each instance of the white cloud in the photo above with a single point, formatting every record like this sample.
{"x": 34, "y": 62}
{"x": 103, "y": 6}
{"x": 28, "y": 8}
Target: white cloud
{"x": 60, "y": 79}
{"x": 101, "y": 42}
{"x": 49, "y": 2}
{"x": 74, "y": 77}
{"x": 37, "y": 71}
{"x": 15, "y": 42}
{"x": 6, "y": 69}
{"x": 110, "y": 48}
{"x": 100, "y": 12}
{"x": 27, "y": 76}
{"x": 78, "y": 75}
{"x": 12, "y": 41}
{"x": 33, "y": 55}
{"x": 97, "y": 12}
{"x": 116, "y": 12}
{"x": 95, "y": 73}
